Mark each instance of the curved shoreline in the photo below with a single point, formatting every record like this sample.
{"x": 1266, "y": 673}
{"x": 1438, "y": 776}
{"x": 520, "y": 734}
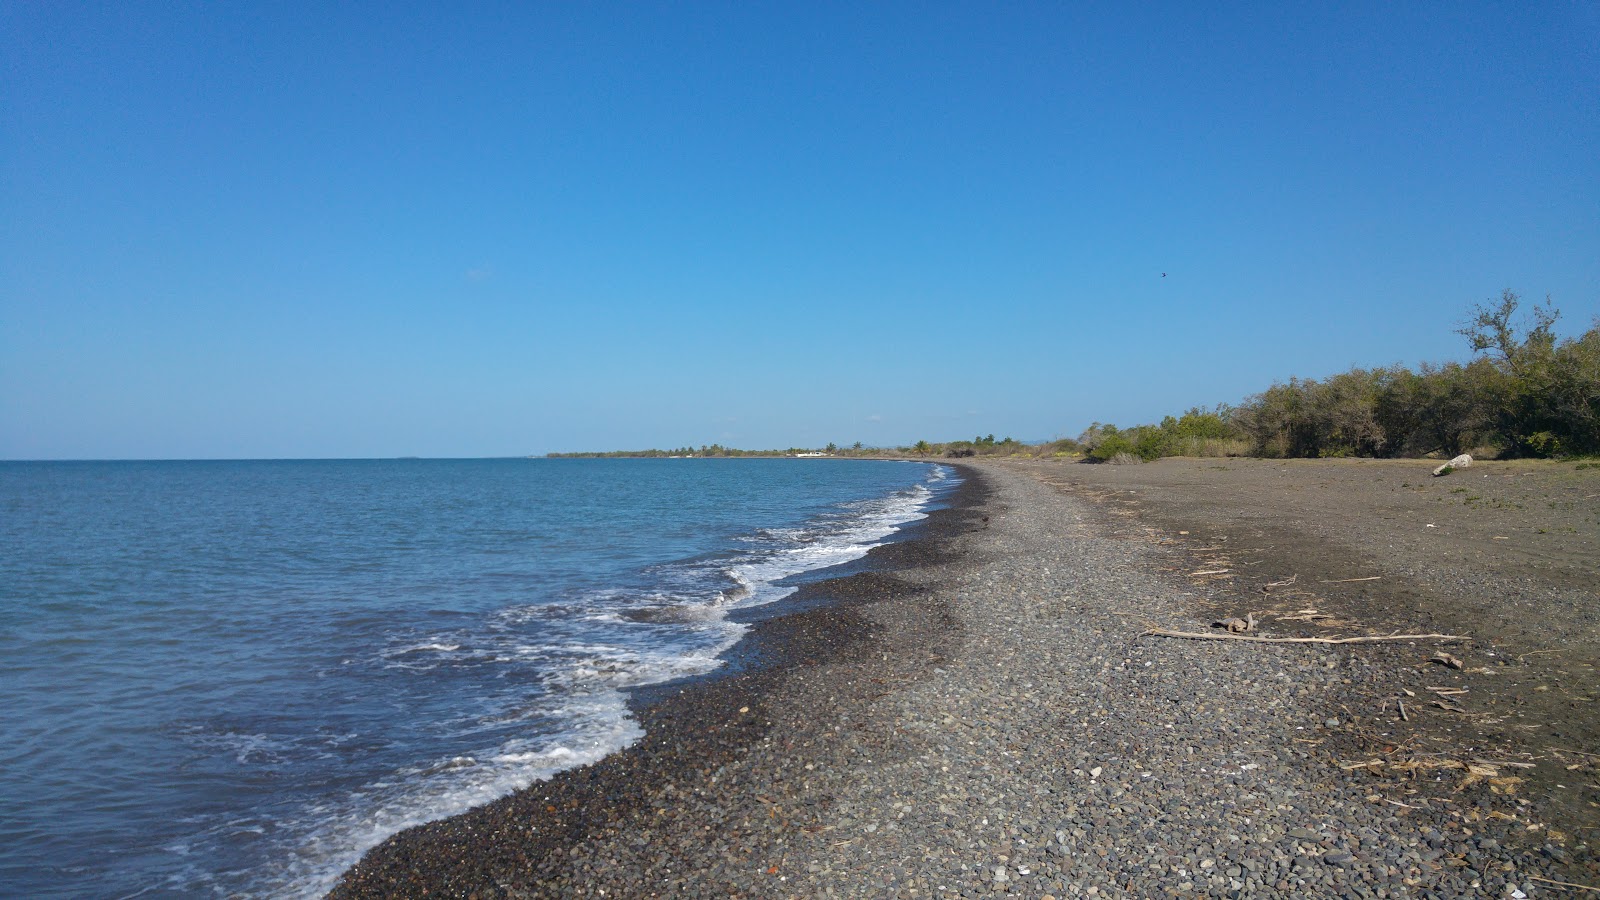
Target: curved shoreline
{"x": 976, "y": 715}
{"x": 692, "y": 727}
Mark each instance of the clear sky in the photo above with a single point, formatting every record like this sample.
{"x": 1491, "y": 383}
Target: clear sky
{"x": 384, "y": 229}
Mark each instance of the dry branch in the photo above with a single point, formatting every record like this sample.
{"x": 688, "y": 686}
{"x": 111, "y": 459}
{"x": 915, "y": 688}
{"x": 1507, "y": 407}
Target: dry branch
{"x": 1565, "y": 884}
{"x": 1503, "y": 762}
{"x": 1364, "y": 639}
{"x": 1348, "y": 580}
{"x": 1406, "y": 805}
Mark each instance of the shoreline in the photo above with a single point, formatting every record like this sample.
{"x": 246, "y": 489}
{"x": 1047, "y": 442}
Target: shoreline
{"x": 976, "y": 714}
{"x": 691, "y": 726}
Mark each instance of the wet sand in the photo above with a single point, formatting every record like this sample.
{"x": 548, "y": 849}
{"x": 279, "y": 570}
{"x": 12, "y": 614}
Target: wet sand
{"x": 979, "y": 714}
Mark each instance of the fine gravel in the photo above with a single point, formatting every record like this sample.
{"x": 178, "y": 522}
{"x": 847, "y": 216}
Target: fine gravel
{"x": 978, "y": 715}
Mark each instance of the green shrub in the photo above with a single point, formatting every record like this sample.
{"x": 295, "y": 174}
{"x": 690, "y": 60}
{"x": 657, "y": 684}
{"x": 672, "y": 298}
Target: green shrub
{"x": 1108, "y": 447}
{"x": 1526, "y": 394}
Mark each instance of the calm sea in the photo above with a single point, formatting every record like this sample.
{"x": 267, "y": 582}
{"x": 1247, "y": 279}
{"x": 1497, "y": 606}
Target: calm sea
{"x": 234, "y": 677}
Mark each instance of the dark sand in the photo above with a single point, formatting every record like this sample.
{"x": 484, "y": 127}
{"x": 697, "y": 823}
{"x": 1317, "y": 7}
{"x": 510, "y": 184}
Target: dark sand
{"x": 1507, "y": 552}
{"x": 979, "y": 715}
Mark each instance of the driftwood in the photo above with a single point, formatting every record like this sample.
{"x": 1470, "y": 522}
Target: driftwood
{"x": 1503, "y": 762}
{"x": 1565, "y": 884}
{"x": 1364, "y": 639}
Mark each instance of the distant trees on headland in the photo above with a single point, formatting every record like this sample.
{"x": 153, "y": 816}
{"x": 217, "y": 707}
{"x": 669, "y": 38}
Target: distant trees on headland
{"x": 703, "y": 451}
{"x": 717, "y": 451}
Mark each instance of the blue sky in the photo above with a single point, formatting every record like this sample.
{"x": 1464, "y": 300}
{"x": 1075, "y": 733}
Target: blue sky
{"x": 323, "y": 230}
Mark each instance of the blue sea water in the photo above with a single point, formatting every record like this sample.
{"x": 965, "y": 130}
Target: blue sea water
{"x": 232, "y": 678}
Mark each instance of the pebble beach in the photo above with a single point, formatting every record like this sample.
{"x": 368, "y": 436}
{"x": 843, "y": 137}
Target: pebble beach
{"x": 983, "y": 712}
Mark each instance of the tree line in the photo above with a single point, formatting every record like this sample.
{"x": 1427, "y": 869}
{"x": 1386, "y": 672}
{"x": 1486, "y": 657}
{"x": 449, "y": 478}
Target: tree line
{"x": 1524, "y": 394}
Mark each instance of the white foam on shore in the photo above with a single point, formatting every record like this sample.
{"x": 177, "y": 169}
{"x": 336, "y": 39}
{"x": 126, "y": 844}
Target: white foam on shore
{"x": 834, "y": 543}
{"x": 336, "y": 837}
{"x": 585, "y": 675}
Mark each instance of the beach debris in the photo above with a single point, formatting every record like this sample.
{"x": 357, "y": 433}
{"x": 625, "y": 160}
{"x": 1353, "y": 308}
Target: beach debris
{"x": 1372, "y": 764}
{"x": 1445, "y": 659}
{"x": 1460, "y": 462}
{"x": 1313, "y": 616}
{"x": 1489, "y": 774}
{"x": 1504, "y": 762}
{"x": 1360, "y": 639}
{"x": 1565, "y": 884}
{"x": 1478, "y": 771}
{"x": 1237, "y": 625}
{"x": 1210, "y": 572}
{"x": 1413, "y": 766}
{"x": 1349, "y": 580}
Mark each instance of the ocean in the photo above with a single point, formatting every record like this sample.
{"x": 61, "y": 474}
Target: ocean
{"x": 233, "y": 678}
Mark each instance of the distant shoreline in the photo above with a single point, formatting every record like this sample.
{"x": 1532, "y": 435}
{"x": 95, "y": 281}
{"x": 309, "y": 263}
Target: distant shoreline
{"x": 780, "y": 455}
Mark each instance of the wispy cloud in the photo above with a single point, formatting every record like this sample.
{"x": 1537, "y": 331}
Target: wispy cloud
{"x": 479, "y": 273}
